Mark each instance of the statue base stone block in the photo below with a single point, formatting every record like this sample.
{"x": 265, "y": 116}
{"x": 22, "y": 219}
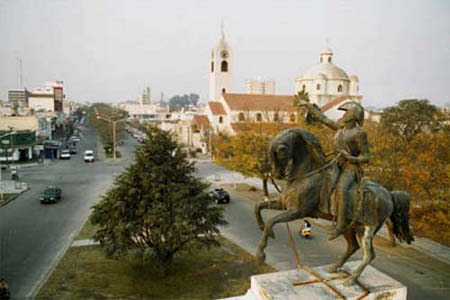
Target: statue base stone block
{"x": 284, "y": 285}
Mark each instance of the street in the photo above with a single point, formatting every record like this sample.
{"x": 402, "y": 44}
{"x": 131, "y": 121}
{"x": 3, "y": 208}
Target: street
{"x": 32, "y": 234}
{"x": 425, "y": 277}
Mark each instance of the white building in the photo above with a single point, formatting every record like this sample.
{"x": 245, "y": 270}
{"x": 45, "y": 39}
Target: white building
{"x": 42, "y": 99}
{"x": 260, "y": 86}
{"x": 220, "y": 73}
{"x": 328, "y": 85}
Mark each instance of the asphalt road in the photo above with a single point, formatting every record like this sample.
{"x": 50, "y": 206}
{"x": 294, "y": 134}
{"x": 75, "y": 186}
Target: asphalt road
{"x": 425, "y": 277}
{"x": 33, "y": 235}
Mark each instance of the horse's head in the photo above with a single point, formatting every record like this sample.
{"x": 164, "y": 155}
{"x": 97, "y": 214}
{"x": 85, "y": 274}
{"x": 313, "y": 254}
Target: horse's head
{"x": 280, "y": 155}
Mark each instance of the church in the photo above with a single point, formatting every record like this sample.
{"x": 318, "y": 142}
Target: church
{"x": 327, "y": 84}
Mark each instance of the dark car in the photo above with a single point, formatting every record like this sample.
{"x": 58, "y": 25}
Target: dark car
{"x": 51, "y": 194}
{"x": 220, "y": 196}
{"x": 72, "y": 150}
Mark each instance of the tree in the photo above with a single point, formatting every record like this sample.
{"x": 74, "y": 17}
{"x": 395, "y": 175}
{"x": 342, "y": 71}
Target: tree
{"x": 177, "y": 102}
{"x": 247, "y": 151}
{"x": 104, "y": 128}
{"x": 410, "y": 117}
{"x": 157, "y": 204}
{"x": 194, "y": 99}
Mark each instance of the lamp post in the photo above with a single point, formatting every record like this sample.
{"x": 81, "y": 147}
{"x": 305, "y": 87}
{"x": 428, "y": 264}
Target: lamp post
{"x": 107, "y": 118}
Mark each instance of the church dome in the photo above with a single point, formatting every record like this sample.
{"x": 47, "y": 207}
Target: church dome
{"x": 353, "y": 78}
{"x": 328, "y": 70}
{"x": 325, "y": 68}
{"x": 320, "y": 76}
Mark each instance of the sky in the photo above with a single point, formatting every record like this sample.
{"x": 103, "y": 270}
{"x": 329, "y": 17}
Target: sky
{"x": 109, "y": 51}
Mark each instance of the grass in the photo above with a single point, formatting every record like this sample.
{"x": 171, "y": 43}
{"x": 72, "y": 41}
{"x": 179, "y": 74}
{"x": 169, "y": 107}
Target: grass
{"x": 110, "y": 154}
{"x": 6, "y": 197}
{"x": 87, "y": 232}
{"x": 85, "y": 273}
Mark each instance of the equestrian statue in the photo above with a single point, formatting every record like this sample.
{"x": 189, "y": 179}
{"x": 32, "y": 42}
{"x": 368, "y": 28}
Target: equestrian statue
{"x": 334, "y": 190}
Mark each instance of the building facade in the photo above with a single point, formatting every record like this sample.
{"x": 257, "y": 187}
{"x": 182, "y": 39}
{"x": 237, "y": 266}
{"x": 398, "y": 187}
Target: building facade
{"x": 18, "y": 97}
{"x": 260, "y": 86}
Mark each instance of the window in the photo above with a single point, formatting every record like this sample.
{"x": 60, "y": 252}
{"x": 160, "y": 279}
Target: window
{"x": 292, "y": 118}
{"x": 258, "y": 117}
{"x": 318, "y": 87}
{"x": 220, "y": 120}
{"x": 276, "y": 117}
{"x": 241, "y": 117}
{"x": 224, "y": 91}
{"x": 212, "y": 66}
{"x": 329, "y": 59}
{"x": 224, "y": 66}
{"x": 340, "y": 88}
{"x": 321, "y": 59}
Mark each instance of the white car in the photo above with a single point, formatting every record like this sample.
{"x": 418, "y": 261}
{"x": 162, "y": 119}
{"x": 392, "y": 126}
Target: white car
{"x": 65, "y": 154}
{"x": 75, "y": 139}
{"x": 89, "y": 156}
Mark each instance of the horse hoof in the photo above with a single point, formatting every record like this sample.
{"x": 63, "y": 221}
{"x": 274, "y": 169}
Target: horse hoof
{"x": 332, "y": 269}
{"x": 349, "y": 282}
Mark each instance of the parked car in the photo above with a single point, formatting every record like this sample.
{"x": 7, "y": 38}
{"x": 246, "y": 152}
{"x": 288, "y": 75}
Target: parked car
{"x": 51, "y": 194}
{"x": 65, "y": 154}
{"x": 220, "y": 196}
{"x": 89, "y": 156}
{"x": 75, "y": 138}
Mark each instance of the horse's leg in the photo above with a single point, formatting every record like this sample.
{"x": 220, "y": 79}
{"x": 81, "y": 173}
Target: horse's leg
{"x": 390, "y": 228}
{"x": 286, "y": 216}
{"x": 368, "y": 254}
{"x": 352, "y": 247}
{"x": 272, "y": 204}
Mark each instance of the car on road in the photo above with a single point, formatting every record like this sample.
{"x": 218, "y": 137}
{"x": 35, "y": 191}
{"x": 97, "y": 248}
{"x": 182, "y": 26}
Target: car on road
{"x": 52, "y": 194}
{"x": 89, "y": 156}
{"x": 65, "y": 154}
{"x": 72, "y": 149}
{"x": 220, "y": 196}
{"x": 75, "y": 139}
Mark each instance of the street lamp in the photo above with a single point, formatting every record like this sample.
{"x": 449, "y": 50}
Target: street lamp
{"x": 108, "y": 119}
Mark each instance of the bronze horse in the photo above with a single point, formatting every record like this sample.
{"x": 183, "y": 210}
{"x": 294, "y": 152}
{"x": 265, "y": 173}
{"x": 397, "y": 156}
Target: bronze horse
{"x": 296, "y": 156}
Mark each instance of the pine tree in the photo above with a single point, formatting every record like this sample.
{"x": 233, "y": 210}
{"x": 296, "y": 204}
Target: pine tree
{"x": 157, "y": 204}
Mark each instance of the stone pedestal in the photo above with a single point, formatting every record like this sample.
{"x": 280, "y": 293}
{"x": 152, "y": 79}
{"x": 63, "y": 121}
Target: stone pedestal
{"x": 281, "y": 286}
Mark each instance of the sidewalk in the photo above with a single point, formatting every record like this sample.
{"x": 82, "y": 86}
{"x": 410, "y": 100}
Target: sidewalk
{"x": 431, "y": 248}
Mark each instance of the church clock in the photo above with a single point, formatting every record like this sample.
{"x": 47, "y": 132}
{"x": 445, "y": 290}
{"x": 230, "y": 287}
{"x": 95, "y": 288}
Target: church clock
{"x": 224, "y": 54}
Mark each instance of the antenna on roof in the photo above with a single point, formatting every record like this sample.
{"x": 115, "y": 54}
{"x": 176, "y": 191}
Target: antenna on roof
{"x": 327, "y": 41}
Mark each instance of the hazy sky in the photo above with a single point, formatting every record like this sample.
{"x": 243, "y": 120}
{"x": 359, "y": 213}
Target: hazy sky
{"x": 110, "y": 50}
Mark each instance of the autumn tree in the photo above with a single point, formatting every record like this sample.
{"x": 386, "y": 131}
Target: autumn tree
{"x": 157, "y": 204}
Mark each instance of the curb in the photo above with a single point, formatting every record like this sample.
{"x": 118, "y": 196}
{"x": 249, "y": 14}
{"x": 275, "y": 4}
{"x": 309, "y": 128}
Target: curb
{"x": 14, "y": 197}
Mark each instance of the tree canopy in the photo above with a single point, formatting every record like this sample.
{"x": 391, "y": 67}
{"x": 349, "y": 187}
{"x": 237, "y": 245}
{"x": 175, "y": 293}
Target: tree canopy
{"x": 177, "y": 102}
{"x": 157, "y": 204}
{"x": 410, "y": 117}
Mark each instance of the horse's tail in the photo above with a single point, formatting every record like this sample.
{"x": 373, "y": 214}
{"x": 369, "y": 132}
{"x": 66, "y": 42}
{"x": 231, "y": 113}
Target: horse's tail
{"x": 400, "y": 216}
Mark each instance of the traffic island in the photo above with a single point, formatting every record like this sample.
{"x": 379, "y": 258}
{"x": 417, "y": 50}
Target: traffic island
{"x": 85, "y": 273}
{"x": 10, "y": 190}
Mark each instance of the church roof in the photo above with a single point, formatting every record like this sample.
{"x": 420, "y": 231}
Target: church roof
{"x": 329, "y": 70}
{"x": 264, "y": 126}
{"x": 259, "y": 102}
{"x": 217, "y": 108}
{"x": 337, "y": 101}
{"x": 201, "y": 121}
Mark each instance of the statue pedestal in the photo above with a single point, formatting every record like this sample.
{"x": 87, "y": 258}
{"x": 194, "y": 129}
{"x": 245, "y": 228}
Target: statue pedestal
{"x": 280, "y": 285}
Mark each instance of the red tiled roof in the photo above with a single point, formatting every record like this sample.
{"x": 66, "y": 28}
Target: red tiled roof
{"x": 263, "y": 126}
{"x": 201, "y": 121}
{"x": 217, "y": 108}
{"x": 336, "y": 102}
{"x": 258, "y": 102}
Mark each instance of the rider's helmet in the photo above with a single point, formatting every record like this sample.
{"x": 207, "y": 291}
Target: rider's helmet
{"x": 355, "y": 110}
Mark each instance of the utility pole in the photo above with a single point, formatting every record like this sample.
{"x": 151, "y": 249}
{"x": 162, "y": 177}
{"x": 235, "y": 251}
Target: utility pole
{"x": 20, "y": 72}
{"x": 108, "y": 119}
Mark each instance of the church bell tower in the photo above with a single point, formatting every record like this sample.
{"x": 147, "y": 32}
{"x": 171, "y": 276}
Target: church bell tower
{"x": 220, "y": 67}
